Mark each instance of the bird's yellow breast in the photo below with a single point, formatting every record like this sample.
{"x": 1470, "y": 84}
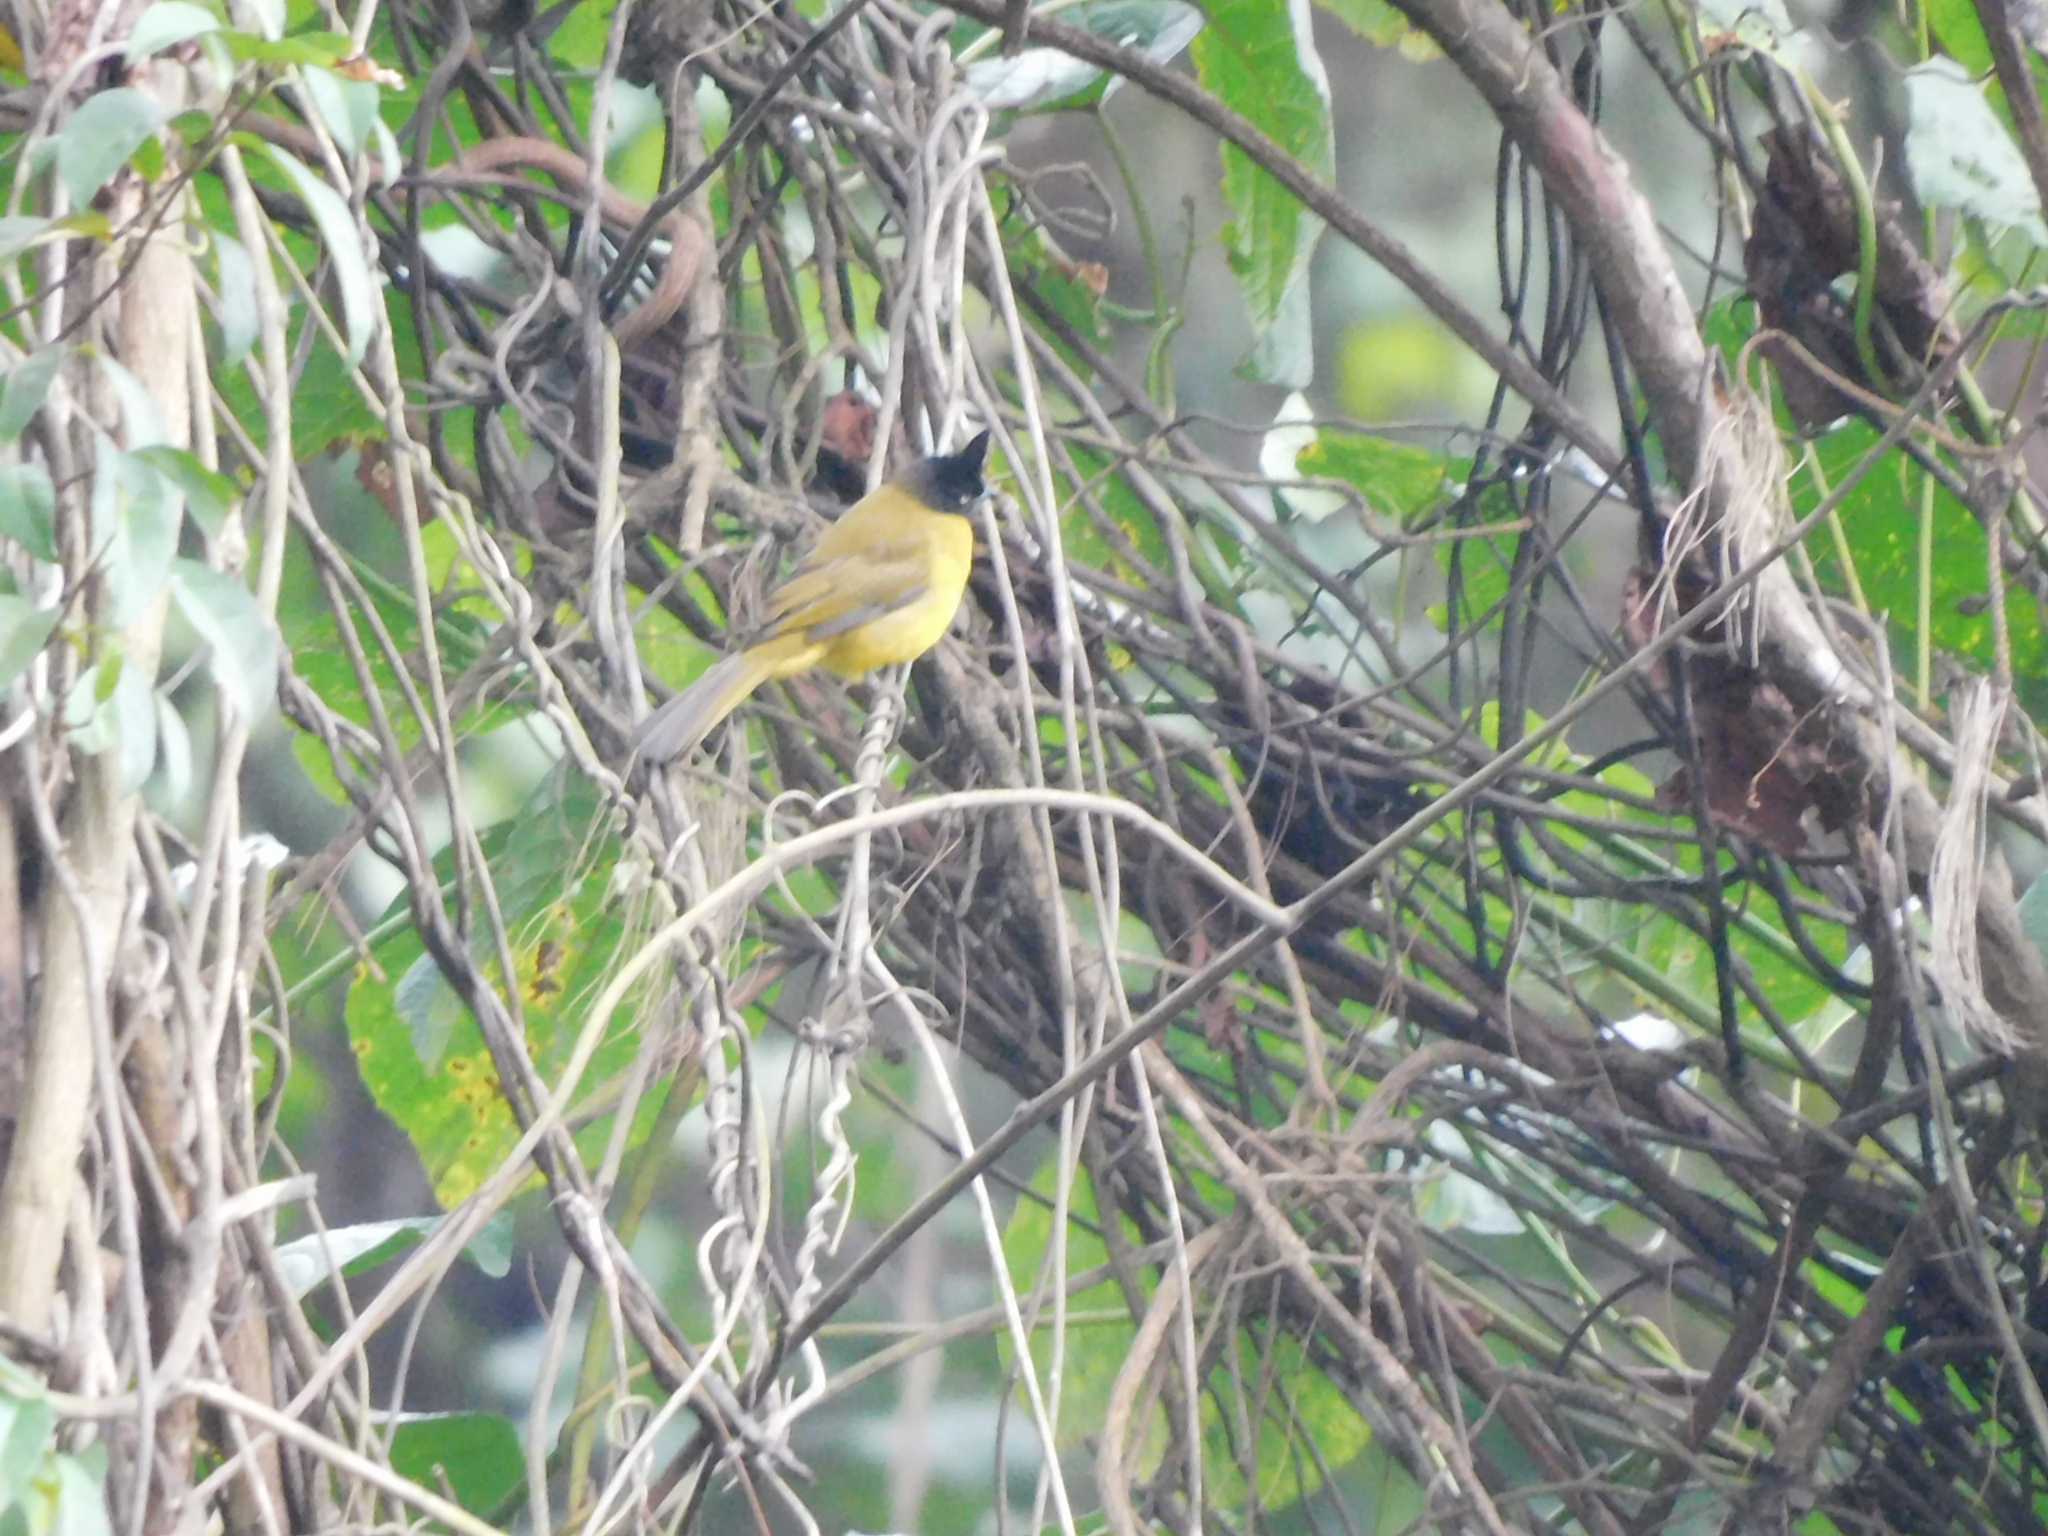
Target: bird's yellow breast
{"x": 908, "y": 632}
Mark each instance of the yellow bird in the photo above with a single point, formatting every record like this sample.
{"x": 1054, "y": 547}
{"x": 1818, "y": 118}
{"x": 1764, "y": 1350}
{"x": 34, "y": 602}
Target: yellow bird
{"x": 881, "y": 585}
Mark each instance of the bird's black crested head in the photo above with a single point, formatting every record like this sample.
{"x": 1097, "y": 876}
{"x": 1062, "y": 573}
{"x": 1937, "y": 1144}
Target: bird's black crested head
{"x": 951, "y": 482}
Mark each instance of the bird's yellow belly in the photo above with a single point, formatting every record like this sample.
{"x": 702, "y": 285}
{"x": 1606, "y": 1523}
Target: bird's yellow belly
{"x": 915, "y": 628}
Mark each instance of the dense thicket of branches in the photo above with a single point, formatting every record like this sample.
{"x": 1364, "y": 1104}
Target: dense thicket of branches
{"x": 1471, "y": 1112}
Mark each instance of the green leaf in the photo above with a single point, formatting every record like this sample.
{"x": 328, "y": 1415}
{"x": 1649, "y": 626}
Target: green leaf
{"x": 208, "y": 495}
{"x": 19, "y": 234}
{"x": 82, "y": 1494}
{"x": 140, "y": 413}
{"x": 166, "y": 24}
{"x": 478, "y": 1454}
{"x": 566, "y": 934}
{"x": 579, "y": 41}
{"x": 28, "y": 509}
{"x": 1962, "y": 156}
{"x": 306, "y": 49}
{"x": 173, "y": 766}
{"x": 1037, "y": 78}
{"x": 90, "y": 724}
{"x": 26, "y": 1424}
{"x": 28, "y": 383}
{"x": 1401, "y": 480}
{"x": 2033, "y": 915}
{"x": 131, "y": 721}
{"x": 241, "y": 639}
{"x": 1374, "y": 20}
{"x": 343, "y": 246}
{"x": 1961, "y": 32}
{"x": 235, "y": 286}
{"x": 309, "y": 1261}
{"x": 106, "y": 129}
{"x": 1262, "y": 63}
{"x": 430, "y": 1008}
{"x": 347, "y": 107}
{"x": 312, "y": 635}
{"x": 24, "y": 629}
{"x": 1130, "y": 520}
{"x": 1881, "y": 518}
{"x": 134, "y": 528}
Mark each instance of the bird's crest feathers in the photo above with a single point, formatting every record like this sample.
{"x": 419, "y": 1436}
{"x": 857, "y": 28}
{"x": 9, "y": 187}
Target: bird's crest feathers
{"x": 950, "y": 482}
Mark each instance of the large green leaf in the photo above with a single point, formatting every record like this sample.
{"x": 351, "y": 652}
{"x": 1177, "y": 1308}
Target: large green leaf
{"x": 1261, "y": 61}
{"x": 1089, "y": 543}
{"x": 1961, "y": 32}
{"x": 1881, "y": 518}
{"x": 1961, "y": 155}
{"x": 476, "y": 1456}
{"x": 553, "y": 875}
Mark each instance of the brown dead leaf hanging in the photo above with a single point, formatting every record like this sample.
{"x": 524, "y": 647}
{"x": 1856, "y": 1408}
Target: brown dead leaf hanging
{"x": 1803, "y": 239}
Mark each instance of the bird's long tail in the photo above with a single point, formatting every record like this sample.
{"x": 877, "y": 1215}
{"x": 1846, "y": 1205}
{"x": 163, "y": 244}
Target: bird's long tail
{"x": 680, "y": 725}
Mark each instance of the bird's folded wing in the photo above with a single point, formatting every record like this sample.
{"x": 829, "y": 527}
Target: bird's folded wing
{"x": 828, "y": 597}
